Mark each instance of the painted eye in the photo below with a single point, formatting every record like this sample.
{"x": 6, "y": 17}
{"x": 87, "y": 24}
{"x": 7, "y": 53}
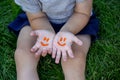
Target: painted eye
{"x": 62, "y": 41}
{"x": 45, "y": 41}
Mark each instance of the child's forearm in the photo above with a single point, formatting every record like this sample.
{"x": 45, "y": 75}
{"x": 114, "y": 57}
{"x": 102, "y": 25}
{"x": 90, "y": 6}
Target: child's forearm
{"x": 39, "y": 22}
{"x": 80, "y": 17}
{"x": 76, "y": 23}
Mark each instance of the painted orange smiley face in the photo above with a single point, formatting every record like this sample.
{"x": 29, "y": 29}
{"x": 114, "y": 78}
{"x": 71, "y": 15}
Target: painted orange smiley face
{"x": 45, "y": 41}
{"x": 62, "y": 41}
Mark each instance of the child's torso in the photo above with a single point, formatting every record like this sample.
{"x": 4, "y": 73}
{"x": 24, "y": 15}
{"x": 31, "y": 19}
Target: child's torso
{"x": 58, "y": 10}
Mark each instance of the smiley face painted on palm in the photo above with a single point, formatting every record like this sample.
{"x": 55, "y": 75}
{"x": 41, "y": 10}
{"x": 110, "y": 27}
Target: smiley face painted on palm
{"x": 45, "y": 41}
{"x": 62, "y": 41}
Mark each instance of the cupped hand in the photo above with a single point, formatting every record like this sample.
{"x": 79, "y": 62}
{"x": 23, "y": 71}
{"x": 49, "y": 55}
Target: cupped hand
{"x": 62, "y": 45}
{"x": 44, "y": 43}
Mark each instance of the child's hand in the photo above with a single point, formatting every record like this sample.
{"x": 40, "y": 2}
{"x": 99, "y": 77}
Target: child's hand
{"x": 44, "y": 43}
{"x": 62, "y": 45}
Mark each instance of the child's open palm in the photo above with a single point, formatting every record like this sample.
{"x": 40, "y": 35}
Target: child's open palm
{"x": 62, "y": 45}
{"x": 44, "y": 41}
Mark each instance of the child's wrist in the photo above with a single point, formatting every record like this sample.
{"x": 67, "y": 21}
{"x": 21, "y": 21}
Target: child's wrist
{"x": 66, "y": 30}
{"x": 46, "y": 30}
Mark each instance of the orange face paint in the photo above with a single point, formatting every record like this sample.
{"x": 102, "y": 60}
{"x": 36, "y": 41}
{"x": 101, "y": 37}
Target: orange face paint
{"x": 62, "y": 41}
{"x": 45, "y": 41}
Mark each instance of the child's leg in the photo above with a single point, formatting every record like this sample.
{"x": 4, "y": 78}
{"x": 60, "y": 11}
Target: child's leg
{"x": 26, "y": 63}
{"x": 74, "y": 69}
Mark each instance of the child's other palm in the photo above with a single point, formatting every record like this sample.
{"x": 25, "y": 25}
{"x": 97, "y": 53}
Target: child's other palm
{"x": 62, "y": 45}
{"x": 44, "y": 43}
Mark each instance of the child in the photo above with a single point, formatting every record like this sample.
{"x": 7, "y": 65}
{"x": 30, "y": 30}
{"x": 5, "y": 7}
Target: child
{"x": 63, "y": 28}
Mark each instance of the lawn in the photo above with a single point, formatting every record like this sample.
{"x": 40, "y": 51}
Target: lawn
{"x": 103, "y": 60}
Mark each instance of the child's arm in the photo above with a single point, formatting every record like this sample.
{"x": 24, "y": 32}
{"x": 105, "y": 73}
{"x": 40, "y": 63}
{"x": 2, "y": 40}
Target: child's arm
{"x": 44, "y": 31}
{"x": 79, "y": 18}
{"x": 64, "y": 39}
{"x": 39, "y": 21}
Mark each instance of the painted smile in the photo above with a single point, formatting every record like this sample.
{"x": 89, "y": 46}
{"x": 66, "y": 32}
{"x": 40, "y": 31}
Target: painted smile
{"x": 43, "y": 44}
{"x": 45, "y": 41}
{"x": 61, "y": 44}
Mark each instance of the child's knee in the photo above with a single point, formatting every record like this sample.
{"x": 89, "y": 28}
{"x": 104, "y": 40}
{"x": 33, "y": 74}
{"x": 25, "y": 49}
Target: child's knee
{"x": 19, "y": 53}
{"x": 25, "y": 57}
{"x": 25, "y": 63}
{"x": 79, "y": 60}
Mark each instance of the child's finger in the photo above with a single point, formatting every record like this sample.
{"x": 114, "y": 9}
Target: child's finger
{"x": 44, "y": 52}
{"x": 54, "y": 52}
{"x": 58, "y": 56}
{"x": 70, "y": 53}
{"x": 64, "y": 55}
{"x": 49, "y": 50}
{"x": 35, "y": 48}
{"x": 37, "y": 54}
{"x": 77, "y": 41}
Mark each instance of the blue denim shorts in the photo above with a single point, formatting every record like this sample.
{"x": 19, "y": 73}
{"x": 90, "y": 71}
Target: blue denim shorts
{"x": 91, "y": 28}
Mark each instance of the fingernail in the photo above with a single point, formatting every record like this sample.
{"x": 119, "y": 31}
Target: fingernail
{"x": 65, "y": 59}
{"x": 31, "y": 50}
{"x": 72, "y": 56}
{"x": 36, "y": 56}
{"x": 53, "y": 57}
{"x": 56, "y": 62}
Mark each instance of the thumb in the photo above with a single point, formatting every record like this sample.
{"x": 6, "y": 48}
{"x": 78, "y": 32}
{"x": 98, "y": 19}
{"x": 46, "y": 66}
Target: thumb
{"x": 77, "y": 41}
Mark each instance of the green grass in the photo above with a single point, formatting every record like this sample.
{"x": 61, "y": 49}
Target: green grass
{"x": 103, "y": 60}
